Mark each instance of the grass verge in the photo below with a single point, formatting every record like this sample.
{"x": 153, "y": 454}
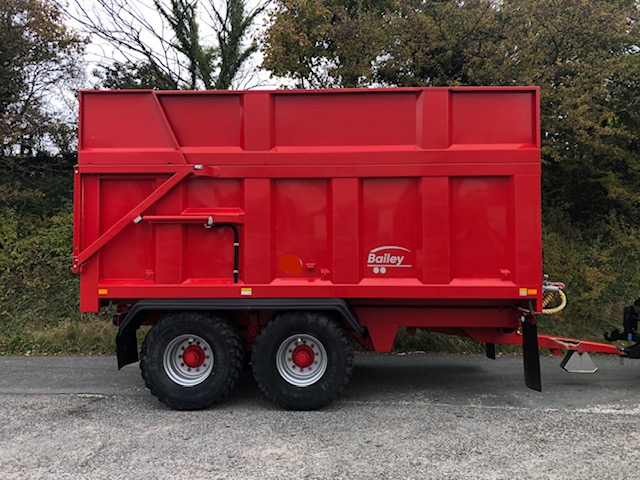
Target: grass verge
{"x": 91, "y": 335}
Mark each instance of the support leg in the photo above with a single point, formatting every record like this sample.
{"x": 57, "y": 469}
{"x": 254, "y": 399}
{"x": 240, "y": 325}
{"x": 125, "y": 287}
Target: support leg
{"x": 531, "y": 354}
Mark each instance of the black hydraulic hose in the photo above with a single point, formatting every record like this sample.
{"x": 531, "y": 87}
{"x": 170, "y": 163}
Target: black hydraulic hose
{"x": 236, "y": 247}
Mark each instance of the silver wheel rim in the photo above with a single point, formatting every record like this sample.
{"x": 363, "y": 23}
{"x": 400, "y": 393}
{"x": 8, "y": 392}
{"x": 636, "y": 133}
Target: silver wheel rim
{"x": 192, "y": 369}
{"x": 301, "y": 360}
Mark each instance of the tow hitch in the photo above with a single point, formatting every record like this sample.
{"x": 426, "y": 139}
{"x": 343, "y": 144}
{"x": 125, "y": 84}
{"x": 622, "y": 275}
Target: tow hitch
{"x": 630, "y": 320}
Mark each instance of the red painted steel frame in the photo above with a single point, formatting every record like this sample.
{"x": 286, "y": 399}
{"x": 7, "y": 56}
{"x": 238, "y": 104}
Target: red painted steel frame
{"x": 419, "y": 206}
{"x": 555, "y": 344}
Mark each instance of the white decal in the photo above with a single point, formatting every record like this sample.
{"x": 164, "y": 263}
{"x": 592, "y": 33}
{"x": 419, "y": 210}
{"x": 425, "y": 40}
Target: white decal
{"x": 380, "y": 259}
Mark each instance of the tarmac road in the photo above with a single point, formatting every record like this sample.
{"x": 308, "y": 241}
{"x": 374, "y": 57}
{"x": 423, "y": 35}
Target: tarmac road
{"x": 403, "y": 416}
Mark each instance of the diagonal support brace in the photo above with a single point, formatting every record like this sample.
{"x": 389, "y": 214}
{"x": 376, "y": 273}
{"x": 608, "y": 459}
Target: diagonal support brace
{"x": 135, "y": 212}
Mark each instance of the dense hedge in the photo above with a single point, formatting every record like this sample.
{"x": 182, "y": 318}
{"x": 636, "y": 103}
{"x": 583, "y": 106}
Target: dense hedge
{"x": 39, "y": 295}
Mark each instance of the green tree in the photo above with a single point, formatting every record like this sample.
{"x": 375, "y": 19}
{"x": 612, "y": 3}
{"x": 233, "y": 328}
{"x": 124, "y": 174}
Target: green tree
{"x": 326, "y": 43}
{"x": 133, "y": 75}
{"x": 40, "y": 67}
{"x": 439, "y": 43}
{"x": 163, "y": 45}
{"x": 584, "y": 57}
{"x": 40, "y": 59}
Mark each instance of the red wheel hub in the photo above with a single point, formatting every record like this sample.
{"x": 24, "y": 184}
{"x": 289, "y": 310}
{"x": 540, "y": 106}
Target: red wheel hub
{"x": 303, "y": 356}
{"x": 193, "y": 356}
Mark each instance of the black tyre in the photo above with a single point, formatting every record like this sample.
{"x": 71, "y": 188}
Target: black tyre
{"x": 191, "y": 360}
{"x": 302, "y": 360}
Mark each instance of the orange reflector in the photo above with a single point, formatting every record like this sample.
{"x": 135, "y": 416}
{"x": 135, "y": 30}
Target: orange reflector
{"x": 532, "y": 291}
{"x": 103, "y": 291}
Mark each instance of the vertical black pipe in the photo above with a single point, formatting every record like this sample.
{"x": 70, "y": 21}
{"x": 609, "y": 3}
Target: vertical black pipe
{"x": 236, "y": 247}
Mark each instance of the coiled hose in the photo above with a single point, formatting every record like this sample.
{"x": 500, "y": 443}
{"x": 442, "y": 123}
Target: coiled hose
{"x": 550, "y": 291}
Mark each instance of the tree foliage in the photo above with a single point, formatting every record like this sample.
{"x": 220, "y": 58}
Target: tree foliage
{"x": 40, "y": 66}
{"x": 326, "y": 43}
{"x": 39, "y": 59}
{"x": 133, "y": 75}
{"x": 172, "y": 44}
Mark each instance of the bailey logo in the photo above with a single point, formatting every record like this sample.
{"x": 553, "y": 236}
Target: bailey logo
{"x": 388, "y": 256}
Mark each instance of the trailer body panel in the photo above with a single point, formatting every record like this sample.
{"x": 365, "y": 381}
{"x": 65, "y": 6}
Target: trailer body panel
{"x": 399, "y": 197}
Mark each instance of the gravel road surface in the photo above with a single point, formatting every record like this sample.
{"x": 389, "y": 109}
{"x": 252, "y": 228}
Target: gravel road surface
{"x": 403, "y": 416}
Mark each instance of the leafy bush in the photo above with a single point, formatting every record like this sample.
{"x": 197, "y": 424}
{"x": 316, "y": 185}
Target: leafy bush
{"x": 601, "y": 268}
{"x": 39, "y": 294}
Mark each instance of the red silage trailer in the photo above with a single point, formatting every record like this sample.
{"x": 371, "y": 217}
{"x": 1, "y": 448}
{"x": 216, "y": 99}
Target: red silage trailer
{"x": 290, "y": 224}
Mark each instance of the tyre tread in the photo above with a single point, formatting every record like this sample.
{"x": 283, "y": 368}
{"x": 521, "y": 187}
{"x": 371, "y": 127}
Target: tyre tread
{"x": 260, "y": 372}
{"x": 232, "y": 338}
